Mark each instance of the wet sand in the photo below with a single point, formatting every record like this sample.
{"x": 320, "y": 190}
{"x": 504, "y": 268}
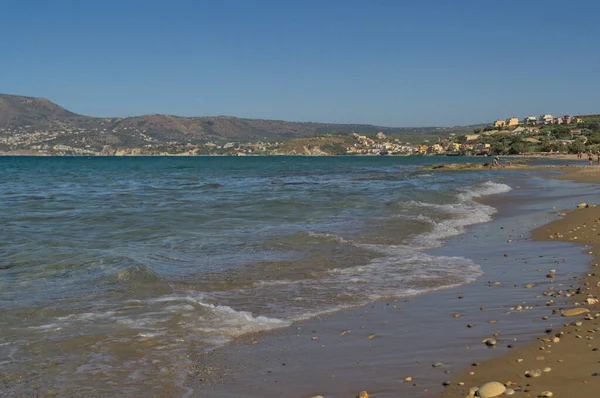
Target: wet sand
{"x": 376, "y": 347}
{"x": 567, "y": 354}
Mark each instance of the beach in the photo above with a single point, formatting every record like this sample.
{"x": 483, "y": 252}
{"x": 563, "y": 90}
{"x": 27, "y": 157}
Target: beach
{"x": 567, "y": 352}
{"x": 435, "y": 344}
{"x": 276, "y": 277}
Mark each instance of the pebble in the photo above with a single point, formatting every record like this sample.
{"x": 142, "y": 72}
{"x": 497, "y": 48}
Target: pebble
{"x": 490, "y": 342}
{"x": 317, "y": 396}
{"x": 529, "y": 286}
{"x": 363, "y": 394}
{"x": 546, "y": 394}
{"x": 407, "y": 379}
{"x": 491, "y": 389}
{"x": 437, "y": 365}
{"x": 509, "y": 391}
{"x": 575, "y": 311}
{"x": 533, "y": 373}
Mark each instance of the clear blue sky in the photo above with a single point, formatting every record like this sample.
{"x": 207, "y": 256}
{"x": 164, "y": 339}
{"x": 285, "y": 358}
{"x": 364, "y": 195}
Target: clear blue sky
{"x": 391, "y": 63}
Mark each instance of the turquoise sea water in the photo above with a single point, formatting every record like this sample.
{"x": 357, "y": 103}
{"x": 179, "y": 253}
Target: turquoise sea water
{"x": 122, "y": 269}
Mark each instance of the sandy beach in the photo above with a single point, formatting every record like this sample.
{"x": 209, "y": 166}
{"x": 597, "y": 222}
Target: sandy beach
{"x": 507, "y": 323}
{"x": 565, "y": 361}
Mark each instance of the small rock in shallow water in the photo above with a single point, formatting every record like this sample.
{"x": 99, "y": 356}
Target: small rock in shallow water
{"x": 363, "y": 394}
{"x": 437, "y": 365}
{"x": 546, "y": 394}
{"x": 509, "y": 391}
{"x": 490, "y": 342}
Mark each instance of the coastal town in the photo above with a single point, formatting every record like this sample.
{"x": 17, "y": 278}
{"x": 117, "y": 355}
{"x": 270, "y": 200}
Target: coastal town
{"x": 510, "y": 136}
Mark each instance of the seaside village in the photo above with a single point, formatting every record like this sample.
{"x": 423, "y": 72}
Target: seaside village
{"x": 511, "y": 136}
{"x": 504, "y": 136}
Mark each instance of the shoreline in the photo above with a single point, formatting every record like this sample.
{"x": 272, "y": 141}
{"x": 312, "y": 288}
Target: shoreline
{"x": 564, "y": 361}
{"x": 296, "y": 344}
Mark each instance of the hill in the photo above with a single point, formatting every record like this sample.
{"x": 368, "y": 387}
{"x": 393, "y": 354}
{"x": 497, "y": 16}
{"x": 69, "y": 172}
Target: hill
{"x": 37, "y": 124}
{"x": 19, "y": 111}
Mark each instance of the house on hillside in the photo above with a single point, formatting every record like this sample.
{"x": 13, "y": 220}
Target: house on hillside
{"x": 530, "y": 121}
{"x": 499, "y": 123}
{"x": 578, "y": 120}
{"x": 567, "y": 119}
{"x": 532, "y": 129}
{"x": 557, "y": 120}
{"x": 512, "y": 121}
{"x": 519, "y": 130}
{"x": 380, "y": 135}
{"x": 546, "y": 119}
{"x": 435, "y": 148}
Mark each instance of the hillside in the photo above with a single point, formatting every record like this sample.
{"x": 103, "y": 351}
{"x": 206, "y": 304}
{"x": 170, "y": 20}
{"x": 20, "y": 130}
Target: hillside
{"x": 29, "y": 124}
{"x": 18, "y": 112}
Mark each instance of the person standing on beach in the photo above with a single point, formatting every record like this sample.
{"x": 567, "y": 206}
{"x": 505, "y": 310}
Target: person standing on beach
{"x": 598, "y": 153}
{"x": 590, "y": 157}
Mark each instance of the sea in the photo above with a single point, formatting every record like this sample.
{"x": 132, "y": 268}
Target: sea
{"x": 122, "y": 271}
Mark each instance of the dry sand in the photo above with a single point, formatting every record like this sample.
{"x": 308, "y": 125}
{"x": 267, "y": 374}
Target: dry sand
{"x": 571, "y": 362}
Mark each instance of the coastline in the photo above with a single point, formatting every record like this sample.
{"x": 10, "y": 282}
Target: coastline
{"x": 564, "y": 361}
{"x": 361, "y": 348}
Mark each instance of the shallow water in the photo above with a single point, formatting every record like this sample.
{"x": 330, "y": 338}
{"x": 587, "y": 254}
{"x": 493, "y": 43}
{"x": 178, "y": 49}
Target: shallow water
{"x": 115, "y": 272}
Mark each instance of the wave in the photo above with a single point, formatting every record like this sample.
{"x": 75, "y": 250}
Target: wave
{"x": 484, "y": 189}
{"x": 464, "y": 212}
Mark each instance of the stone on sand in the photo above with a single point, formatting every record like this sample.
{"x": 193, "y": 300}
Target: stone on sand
{"x": 491, "y": 389}
{"x": 363, "y": 394}
{"x": 575, "y": 311}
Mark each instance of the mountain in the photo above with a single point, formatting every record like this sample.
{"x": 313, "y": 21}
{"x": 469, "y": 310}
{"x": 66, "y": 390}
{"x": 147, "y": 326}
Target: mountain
{"x": 39, "y": 113}
{"x": 29, "y": 124}
{"x": 18, "y": 111}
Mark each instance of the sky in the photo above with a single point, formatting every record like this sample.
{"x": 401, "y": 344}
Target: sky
{"x": 389, "y": 63}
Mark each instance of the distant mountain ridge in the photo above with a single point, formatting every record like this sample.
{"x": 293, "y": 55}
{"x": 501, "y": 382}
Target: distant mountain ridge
{"x": 18, "y": 112}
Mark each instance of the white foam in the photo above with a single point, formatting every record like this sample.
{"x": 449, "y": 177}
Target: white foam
{"x": 484, "y": 189}
{"x": 463, "y": 213}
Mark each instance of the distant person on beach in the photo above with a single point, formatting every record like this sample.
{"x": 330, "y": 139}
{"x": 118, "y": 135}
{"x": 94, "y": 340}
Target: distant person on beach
{"x": 579, "y": 155}
{"x": 598, "y": 153}
{"x": 496, "y": 161}
{"x": 590, "y": 157}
